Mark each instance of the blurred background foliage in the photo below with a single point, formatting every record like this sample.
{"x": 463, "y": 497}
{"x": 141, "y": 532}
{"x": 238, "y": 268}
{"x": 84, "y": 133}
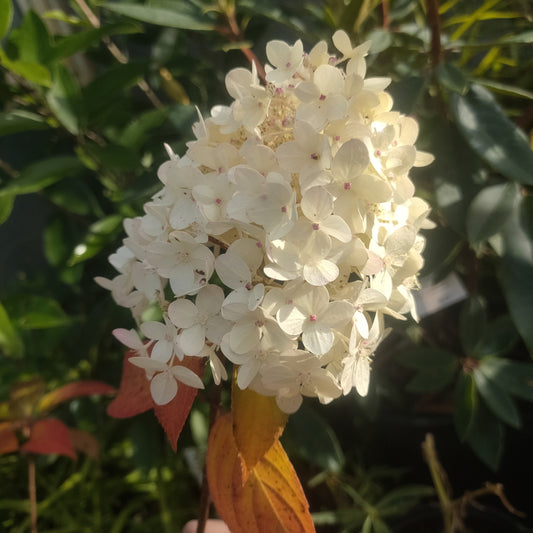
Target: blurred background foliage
{"x": 90, "y": 91}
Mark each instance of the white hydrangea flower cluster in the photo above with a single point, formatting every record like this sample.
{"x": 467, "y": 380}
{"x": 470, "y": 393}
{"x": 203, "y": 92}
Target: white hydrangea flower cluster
{"x": 297, "y": 198}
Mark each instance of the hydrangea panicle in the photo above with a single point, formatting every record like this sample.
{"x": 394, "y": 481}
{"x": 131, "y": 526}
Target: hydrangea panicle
{"x": 284, "y": 234}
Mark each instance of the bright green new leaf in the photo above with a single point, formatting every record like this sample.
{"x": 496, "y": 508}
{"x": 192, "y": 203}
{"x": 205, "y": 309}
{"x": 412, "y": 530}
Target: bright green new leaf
{"x": 490, "y": 210}
{"x": 492, "y": 135}
{"x": 32, "y": 40}
{"x": 465, "y": 404}
{"x": 162, "y": 16}
{"x": 497, "y": 399}
{"x": 39, "y": 175}
{"x": 33, "y": 72}
{"x": 6, "y": 16}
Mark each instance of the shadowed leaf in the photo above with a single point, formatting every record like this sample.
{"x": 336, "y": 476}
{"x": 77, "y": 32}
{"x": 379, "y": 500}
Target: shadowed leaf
{"x": 73, "y": 390}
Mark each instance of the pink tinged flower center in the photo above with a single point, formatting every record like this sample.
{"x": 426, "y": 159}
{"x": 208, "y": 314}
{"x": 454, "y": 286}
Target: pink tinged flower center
{"x": 315, "y": 226}
{"x": 259, "y": 244}
{"x": 259, "y": 323}
{"x": 312, "y": 318}
{"x": 378, "y": 153}
{"x": 394, "y": 143}
{"x": 322, "y": 97}
{"x": 220, "y": 170}
{"x": 248, "y": 286}
{"x": 288, "y": 64}
{"x": 332, "y": 60}
{"x": 218, "y": 201}
{"x": 283, "y": 209}
{"x": 315, "y": 156}
{"x": 347, "y": 186}
{"x": 337, "y": 137}
{"x": 279, "y": 91}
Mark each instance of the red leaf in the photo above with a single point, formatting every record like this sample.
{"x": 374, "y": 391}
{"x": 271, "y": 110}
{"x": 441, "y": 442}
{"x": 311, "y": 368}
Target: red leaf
{"x": 8, "y": 439}
{"x": 84, "y": 442}
{"x": 50, "y": 436}
{"x": 173, "y": 415}
{"x": 270, "y": 500}
{"x": 73, "y": 390}
{"x": 134, "y": 395}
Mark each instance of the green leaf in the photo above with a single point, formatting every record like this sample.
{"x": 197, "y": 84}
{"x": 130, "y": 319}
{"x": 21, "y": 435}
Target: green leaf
{"x": 64, "y": 99}
{"x": 465, "y": 404}
{"x": 39, "y": 175}
{"x": 380, "y": 526}
{"x": 162, "y": 16}
{"x": 500, "y": 337}
{"x": 74, "y": 196}
{"x": 490, "y": 210}
{"x": 452, "y": 78}
{"x": 427, "y": 358}
{"x": 517, "y": 269}
{"x": 10, "y": 341}
{"x": 6, "y": 206}
{"x": 137, "y": 131}
{"x": 114, "y": 157}
{"x": 401, "y": 500}
{"x": 494, "y": 137}
{"x": 497, "y": 399}
{"x": 504, "y": 88}
{"x": 486, "y": 437}
{"x": 100, "y": 234}
{"x": 515, "y": 377}
{"x": 6, "y": 16}
{"x": 56, "y": 248}
{"x": 81, "y": 41}
{"x": 472, "y": 323}
{"x": 20, "y": 120}
{"x": 311, "y": 437}
{"x": 31, "y": 40}
{"x": 98, "y": 94}
{"x": 33, "y": 72}
{"x": 39, "y": 312}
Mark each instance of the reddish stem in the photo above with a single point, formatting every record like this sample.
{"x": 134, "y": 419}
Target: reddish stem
{"x": 32, "y": 491}
{"x": 437, "y": 54}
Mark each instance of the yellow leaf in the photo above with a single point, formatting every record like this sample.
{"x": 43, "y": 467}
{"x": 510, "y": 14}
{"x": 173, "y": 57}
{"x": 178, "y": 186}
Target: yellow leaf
{"x": 257, "y": 423}
{"x": 270, "y": 499}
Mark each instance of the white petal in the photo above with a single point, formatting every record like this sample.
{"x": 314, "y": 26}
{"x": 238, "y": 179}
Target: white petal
{"x": 289, "y": 404}
{"x": 162, "y": 351}
{"x": 232, "y": 270}
{"x": 192, "y": 339}
{"x": 362, "y": 376}
{"x": 321, "y": 273}
{"x": 163, "y": 388}
{"x": 247, "y": 373}
{"x": 290, "y": 319}
{"x": 317, "y": 338}
{"x": 148, "y": 364}
{"x": 183, "y": 313}
{"x": 187, "y": 376}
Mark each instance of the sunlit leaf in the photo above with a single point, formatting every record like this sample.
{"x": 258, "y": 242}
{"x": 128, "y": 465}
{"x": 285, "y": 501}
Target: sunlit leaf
{"x": 162, "y": 16}
{"x": 31, "y": 39}
{"x": 75, "y": 389}
{"x": 49, "y": 436}
{"x": 493, "y": 136}
{"x": 257, "y": 423}
{"x": 497, "y": 399}
{"x": 271, "y": 500}
{"x": 39, "y": 175}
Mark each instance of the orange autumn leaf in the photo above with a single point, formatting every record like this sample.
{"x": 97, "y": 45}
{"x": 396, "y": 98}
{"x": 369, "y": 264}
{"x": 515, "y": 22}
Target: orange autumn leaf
{"x": 50, "y": 436}
{"x": 134, "y": 397}
{"x": 269, "y": 500}
{"x": 8, "y": 438}
{"x": 257, "y": 423}
{"x": 73, "y": 390}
